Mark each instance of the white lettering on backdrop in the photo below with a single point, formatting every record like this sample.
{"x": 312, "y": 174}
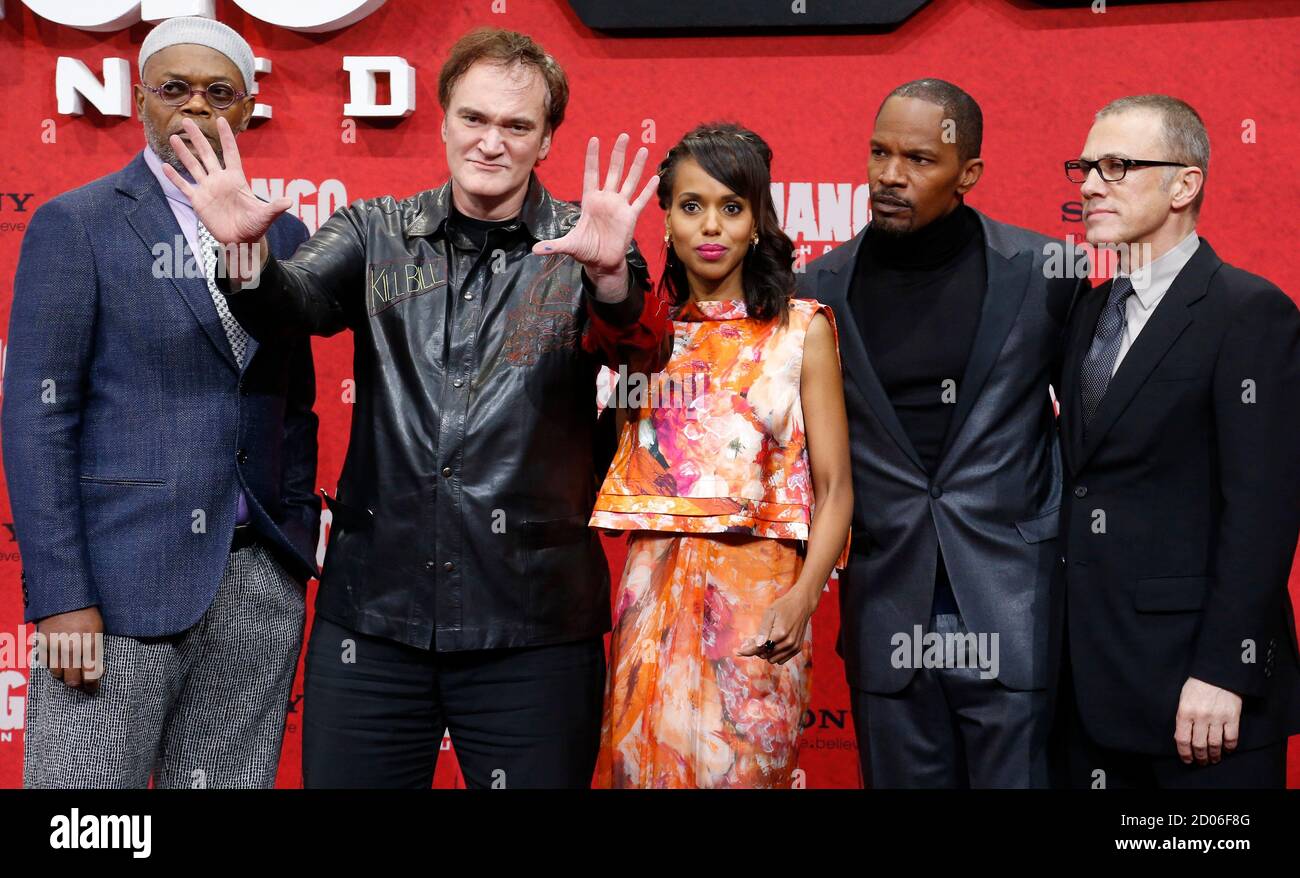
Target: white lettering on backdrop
{"x": 110, "y": 15}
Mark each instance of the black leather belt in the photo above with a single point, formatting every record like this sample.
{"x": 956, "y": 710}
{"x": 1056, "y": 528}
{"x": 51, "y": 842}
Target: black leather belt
{"x": 244, "y": 537}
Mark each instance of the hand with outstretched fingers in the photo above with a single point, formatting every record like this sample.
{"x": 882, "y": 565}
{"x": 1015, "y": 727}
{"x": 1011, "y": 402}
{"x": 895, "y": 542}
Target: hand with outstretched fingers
{"x": 604, "y": 230}
{"x": 221, "y": 197}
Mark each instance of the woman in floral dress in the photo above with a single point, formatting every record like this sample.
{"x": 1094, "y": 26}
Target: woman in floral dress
{"x": 730, "y": 440}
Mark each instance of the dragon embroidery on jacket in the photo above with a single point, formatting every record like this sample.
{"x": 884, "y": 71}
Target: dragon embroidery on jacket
{"x": 546, "y": 319}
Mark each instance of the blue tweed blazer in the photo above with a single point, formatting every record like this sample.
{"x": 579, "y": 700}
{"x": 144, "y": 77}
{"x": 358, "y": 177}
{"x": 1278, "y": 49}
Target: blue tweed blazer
{"x": 128, "y": 427}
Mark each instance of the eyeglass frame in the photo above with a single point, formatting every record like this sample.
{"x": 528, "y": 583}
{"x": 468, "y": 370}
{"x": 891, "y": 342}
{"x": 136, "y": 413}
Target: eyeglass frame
{"x": 157, "y": 92}
{"x": 1088, "y": 166}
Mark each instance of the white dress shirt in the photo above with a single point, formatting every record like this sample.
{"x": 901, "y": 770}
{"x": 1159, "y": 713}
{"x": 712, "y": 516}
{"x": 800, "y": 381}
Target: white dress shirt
{"x": 1150, "y": 283}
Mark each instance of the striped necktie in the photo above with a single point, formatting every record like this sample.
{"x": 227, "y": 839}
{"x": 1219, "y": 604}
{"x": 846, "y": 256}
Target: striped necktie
{"x": 1100, "y": 362}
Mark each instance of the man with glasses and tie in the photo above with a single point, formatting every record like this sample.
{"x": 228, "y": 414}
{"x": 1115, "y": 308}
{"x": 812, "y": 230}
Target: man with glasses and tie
{"x": 160, "y": 465}
{"x": 1180, "y": 407}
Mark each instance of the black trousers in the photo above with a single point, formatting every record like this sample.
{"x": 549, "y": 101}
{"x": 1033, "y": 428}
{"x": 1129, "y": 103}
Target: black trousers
{"x": 950, "y": 728}
{"x": 374, "y": 712}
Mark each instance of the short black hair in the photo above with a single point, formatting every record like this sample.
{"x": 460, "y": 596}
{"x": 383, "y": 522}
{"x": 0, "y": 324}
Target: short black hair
{"x": 957, "y": 105}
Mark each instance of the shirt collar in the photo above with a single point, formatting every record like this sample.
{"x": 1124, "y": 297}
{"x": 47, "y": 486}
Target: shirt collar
{"x": 1153, "y": 280}
{"x": 723, "y": 309}
{"x": 542, "y": 216}
{"x": 168, "y": 187}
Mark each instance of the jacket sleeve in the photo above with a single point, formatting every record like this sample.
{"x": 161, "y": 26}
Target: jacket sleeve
{"x": 628, "y": 331}
{"x": 51, "y": 343}
{"x": 1063, "y": 296}
{"x": 1256, "y": 410}
{"x": 319, "y": 291}
{"x": 298, "y": 475}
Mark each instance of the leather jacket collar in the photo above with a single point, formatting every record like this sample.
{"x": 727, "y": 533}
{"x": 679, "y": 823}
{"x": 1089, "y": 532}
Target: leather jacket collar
{"x": 543, "y": 216}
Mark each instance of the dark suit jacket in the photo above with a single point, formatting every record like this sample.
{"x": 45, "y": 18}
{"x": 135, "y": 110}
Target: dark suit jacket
{"x": 1191, "y": 465}
{"x": 128, "y": 427}
{"x": 993, "y": 500}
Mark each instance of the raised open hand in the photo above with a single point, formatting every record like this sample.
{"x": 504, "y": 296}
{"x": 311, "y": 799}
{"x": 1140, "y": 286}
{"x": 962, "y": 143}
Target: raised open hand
{"x": 221, "y": 196}
{"x": 603, "y": 232}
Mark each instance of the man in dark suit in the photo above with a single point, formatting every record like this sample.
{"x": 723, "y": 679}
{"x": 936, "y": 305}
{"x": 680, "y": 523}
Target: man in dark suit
{"x": 160, "y": 467}
{"x": 1180, "y": 408}
{"x": 949, "y": 325}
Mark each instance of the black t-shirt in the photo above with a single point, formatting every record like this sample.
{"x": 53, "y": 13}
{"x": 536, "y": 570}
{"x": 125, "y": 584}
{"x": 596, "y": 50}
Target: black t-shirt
{"x": 476, "y": 229}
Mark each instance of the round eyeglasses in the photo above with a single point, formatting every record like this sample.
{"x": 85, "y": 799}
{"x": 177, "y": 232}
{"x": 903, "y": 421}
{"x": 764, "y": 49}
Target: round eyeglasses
{"x": 177, "y": 93}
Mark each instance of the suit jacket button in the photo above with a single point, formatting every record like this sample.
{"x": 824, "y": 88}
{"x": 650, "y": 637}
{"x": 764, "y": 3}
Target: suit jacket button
{"x": 447, "y": 565}
{"x": 936, "y": 491}
{"x": 1080, "y": 491}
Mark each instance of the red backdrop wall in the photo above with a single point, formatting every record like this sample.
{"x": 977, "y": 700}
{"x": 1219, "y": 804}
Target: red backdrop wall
{"x": 1038, "y": 73}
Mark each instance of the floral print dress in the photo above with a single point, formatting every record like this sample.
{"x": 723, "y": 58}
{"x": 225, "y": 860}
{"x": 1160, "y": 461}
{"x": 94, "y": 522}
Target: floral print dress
{"x": 712, "y": 479}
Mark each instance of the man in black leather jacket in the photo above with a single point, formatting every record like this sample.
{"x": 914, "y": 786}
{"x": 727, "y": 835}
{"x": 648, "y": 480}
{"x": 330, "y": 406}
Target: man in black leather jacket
{"x": 462, "y": 589}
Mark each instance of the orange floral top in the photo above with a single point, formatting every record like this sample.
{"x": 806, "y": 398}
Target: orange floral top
{"x": 715, "y": 442}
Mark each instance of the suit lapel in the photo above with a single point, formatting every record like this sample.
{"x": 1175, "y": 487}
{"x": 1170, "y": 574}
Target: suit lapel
{"x": 1166, "y": 324}
{"x": 154, "y": 222}
{"x": 1007, "y": 280}
{"x": 833, "y": 289}
{"x": 1083, "y": 324}
{"x": 250, "y": 349}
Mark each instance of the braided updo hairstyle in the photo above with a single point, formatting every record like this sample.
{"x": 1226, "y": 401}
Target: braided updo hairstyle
{"x": 742, "y": 161}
